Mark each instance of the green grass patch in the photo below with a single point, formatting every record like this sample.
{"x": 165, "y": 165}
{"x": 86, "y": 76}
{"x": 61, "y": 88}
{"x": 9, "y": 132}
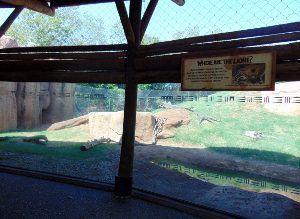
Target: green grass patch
{"x": 63, "y": 143}
{"x": 281, "y": 133}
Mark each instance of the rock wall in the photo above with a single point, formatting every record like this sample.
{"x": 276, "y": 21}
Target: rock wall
{"x": 8, "y": 106}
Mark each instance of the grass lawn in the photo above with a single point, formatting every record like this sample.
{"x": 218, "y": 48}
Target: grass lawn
{"x": 280, "y": 144}
{"x": 62, "y": 144}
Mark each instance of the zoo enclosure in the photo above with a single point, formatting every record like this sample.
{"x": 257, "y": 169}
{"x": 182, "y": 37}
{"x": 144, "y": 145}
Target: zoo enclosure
{"x": 155, "y": 63}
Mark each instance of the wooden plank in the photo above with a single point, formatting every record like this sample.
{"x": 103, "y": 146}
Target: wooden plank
{"x": 170, "y": 62}
{"x": 65, "y": 76}
{"x": 279, "y": 38}
{"x": 284, "y": 52}
{"x": 4, "y": 5}
{"x": 289, "y": 51}
{"x": 34, "y": 5}
{"x": 55, "y": 65}
{"x": 147, "y": 17}
{"x": 11, "y": 18}
{"x": 125, "y": 22}
{"x": 118, "y": 47}
{"x": 289, "y": 71}
{"x": 80, "y": 55}
{"x": 166, "y": 76}
{"x": 276, "y": 29}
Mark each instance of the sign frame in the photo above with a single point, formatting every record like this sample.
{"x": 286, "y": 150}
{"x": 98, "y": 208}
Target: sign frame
{"x": 235, "y": 53}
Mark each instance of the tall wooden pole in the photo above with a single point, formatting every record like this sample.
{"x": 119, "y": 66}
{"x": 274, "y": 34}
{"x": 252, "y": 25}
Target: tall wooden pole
{"x": 123, "y": 182}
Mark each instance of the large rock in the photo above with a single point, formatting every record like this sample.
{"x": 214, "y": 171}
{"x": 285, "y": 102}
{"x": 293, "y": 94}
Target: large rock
{"x": 62, "y": 103}
{"x": 110, "y": 125}
{"x": 69, "y": 123}
{"x": 8, "y": 106}
{"x": 174, "y": 118}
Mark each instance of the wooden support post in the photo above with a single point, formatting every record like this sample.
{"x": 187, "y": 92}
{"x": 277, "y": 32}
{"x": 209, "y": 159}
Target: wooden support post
{"x": 125, "y": 22}
{"x": 4, "y": 27}
{"x": 147, "y": 16}
{"x": 34, "y": 5}
{"x": 123, "y": 182}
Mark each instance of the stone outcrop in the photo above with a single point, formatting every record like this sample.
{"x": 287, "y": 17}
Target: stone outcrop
{"x": 174, "y": 118}
{"x": 69, "y": 123}
{"x": 62, "y": 103}
{"x": 28, "y": 105}
{"x": 109, "y": 125}
{"x": 44, "y": 98}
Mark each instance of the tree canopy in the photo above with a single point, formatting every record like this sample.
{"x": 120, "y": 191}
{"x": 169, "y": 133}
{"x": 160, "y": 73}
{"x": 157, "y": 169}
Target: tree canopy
{"x": 67, "y": 27}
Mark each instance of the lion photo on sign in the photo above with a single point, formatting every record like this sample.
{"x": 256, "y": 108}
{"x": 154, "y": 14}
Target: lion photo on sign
{"x": 247, "y": 74}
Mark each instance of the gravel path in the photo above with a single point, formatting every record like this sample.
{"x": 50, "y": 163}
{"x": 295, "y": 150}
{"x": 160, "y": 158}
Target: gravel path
{"x": 103, "y": 171}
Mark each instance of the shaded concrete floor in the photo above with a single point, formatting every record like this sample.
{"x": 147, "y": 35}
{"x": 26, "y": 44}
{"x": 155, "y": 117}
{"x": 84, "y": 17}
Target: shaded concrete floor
{"x": 24, "y": 197}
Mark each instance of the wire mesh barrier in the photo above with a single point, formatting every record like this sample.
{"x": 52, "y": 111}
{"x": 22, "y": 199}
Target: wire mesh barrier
{"x": 196, "y": 18}
{"x": 90, "y": 99}
{"x": 199, "y": 146}
{"x": 100, "y": 23}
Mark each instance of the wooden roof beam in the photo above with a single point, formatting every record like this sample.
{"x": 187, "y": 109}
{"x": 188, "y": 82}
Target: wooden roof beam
{"x": 4, "y": 5}
{"x": 34, "y": 5}
{"x": 4, "y": 27}
{"x": 125, "y": 22}
{"x": 147, "y": 17}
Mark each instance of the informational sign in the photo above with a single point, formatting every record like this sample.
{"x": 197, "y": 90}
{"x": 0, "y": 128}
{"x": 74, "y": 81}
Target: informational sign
{"x": 246, "y": 71}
